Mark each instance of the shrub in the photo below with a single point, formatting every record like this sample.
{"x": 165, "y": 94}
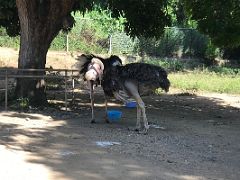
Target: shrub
{"x": 195, "y": 44}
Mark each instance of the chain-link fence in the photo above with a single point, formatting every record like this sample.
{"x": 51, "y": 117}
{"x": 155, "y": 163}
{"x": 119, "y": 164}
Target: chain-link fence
{"x": 93, "y": 36}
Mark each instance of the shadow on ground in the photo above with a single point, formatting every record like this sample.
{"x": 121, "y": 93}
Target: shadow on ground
{"x": 191, "y": 137}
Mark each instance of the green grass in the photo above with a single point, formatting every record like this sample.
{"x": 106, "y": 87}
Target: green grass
{"x": 202, "y": 81}
{"x": 211, "y": 79}
{"x": 13, "y": 42}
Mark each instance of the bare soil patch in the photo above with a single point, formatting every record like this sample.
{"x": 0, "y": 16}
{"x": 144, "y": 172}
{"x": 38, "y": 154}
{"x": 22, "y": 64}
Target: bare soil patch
{"x": 191, "y": 137}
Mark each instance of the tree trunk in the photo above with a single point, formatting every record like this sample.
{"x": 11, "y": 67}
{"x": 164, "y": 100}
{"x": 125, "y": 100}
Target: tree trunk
{"x": 40, "y": 22}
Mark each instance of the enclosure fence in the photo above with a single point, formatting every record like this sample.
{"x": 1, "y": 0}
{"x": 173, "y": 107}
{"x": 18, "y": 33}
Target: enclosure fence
{"x": 93, "y": 36}
{"x": 66, "y": 74}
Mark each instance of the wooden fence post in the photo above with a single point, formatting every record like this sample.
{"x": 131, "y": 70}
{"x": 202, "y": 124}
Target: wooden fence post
{"x": 65, "y": 77}
{"x": 73, "y": 87}
{"x": 6, "y": 90}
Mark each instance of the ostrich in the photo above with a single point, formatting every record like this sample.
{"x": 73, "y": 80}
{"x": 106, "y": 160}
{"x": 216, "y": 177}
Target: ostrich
{"x": 133, "y": 81}
{"x": 93, "y": 70}
{"x": 123, "y": 82}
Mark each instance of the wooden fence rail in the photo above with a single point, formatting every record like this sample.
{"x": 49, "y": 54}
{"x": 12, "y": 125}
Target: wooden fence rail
{"x": 14, "y": 73}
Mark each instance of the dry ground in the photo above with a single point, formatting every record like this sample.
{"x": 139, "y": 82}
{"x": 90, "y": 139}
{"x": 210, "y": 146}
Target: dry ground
{"x": 192, "y": 137}
{"x": 197, "y": 137}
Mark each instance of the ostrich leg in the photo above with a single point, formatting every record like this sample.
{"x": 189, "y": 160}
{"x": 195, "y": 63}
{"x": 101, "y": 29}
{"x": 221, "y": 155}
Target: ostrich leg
{"x": 106, "y": 108}
{"x": 142, "y": 110}
{"x": 120, "y": 97}
{"x": 90, "y": 83}
{"x": 138, "y": 124}
{"x": 132, "y": 88}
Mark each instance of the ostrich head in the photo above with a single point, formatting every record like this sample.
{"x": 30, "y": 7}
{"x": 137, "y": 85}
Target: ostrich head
{"x": 95, "y": 70}
{"x": 163, "y": 80}
{"x": 111, "y": 65}
{"x": 165, "y": 84}
{"x": 115, "y": 61}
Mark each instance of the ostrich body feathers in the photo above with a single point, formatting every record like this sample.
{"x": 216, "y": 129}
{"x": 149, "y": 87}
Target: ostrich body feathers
{"x": 147, "y": 78}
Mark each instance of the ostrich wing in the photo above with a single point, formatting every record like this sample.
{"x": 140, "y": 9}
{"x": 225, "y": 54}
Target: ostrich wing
{"x": 145, "y": 75}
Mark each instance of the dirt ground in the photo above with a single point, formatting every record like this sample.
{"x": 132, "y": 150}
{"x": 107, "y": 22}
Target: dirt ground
{"x": 192, "y": 137}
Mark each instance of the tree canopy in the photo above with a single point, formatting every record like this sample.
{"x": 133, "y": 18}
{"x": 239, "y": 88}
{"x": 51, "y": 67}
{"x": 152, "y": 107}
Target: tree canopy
{"x": 9, "y": 17}
{"x": 217, "y": 18}
{"x": 143, "y": 18}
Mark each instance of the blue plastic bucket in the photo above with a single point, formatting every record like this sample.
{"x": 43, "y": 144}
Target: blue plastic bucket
{"x": 114, "y": 115}
{"x": 131, "y": 104}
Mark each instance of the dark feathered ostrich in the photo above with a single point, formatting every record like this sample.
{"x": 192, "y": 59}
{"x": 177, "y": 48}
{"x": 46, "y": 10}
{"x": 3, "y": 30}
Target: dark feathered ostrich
{"x": 94, "y": 69}
{"x": 135, "y": 80}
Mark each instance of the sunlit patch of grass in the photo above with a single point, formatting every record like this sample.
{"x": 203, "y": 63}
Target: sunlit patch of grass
{"x": 202, "y": 81}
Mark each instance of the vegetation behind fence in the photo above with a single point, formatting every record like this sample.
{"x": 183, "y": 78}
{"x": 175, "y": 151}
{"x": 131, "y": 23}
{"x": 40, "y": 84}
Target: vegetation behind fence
{"x": 97, "y": 32}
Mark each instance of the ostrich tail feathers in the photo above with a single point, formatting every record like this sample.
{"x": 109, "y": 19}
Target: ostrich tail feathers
{"x": 83, "y": 62}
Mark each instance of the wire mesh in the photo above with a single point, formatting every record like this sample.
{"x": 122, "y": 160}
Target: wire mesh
{"x": 93, "y": 36}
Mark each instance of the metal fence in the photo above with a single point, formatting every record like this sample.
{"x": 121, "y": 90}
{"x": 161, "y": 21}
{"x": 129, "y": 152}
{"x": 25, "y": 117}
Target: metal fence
{"x": 57, "y": 74}
{"x": 92, "y": 36}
